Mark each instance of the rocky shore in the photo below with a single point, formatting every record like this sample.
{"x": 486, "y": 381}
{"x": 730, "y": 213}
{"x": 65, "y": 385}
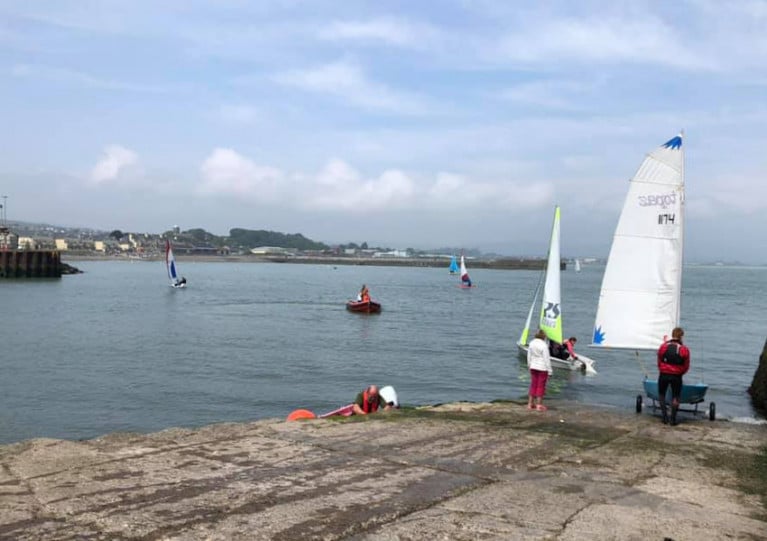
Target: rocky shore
{"x": 457, "y": 471}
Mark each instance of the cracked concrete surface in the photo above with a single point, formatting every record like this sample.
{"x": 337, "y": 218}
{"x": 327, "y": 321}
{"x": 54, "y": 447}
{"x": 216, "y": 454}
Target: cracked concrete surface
{"x": 458, "y": 471}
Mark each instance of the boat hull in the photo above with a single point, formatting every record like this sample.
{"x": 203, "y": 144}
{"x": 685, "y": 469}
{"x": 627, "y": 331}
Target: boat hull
{"x": 691, "y": 393}
{"x": 343, "y": 411}
{"x": 581, "y": 364}
{"x": 363, "y": 307}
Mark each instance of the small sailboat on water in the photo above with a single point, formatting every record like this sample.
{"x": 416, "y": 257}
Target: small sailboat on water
{"x": 465, "y": 280}
{"x": 640, "y": 299}
{"x": 551, "y": 309}
{"x": 170, "y": 264}
{"x": 453, "y": 269}
{"x": 577, "y": 265}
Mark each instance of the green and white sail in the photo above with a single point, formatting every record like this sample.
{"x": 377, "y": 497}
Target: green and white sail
{"x": 551, "y": 313}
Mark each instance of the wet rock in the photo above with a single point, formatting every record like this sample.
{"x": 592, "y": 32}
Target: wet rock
{"x": 758, "y": 387}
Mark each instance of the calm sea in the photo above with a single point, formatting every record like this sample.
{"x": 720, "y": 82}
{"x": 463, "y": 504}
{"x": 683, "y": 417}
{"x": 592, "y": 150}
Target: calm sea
{"x": 116, "y": 349}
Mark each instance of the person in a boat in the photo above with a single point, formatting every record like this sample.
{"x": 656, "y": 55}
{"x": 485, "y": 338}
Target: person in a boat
{"x": 557, "y": 350}
{"x": 539, "y": 363}
{"x": 466, "y": 280}
{"x": 673, "y": 363}
{"x": 364, "y": 294}
{"x": 181, "y": 281}
{"x": 569, "y": 348}
{"x": 369, "y": 401}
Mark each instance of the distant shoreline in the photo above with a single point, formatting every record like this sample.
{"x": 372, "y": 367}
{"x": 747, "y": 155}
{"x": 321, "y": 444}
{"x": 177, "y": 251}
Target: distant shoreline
{"x": 510, "y": 263}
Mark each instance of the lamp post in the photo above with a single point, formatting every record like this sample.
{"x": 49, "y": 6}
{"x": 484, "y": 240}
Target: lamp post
{"x": 5, "y": 210}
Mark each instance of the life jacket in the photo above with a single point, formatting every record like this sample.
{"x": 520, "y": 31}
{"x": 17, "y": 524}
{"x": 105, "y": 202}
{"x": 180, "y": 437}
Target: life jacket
{"x": 366, "y": 297}
{"x": 671, "y": 355}
{"x": 367, "y": 407}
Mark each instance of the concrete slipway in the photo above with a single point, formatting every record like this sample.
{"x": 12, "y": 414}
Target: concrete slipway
{"x": 457, "y": 471}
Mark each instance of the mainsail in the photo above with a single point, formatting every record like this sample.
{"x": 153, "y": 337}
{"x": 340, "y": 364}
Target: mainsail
{"x": 453, "y": 265}
{"x": 464, "y": 273}
{"x": 639, "y": 302}
{"x": 551, "y": 315}
{"x": 170, "y": 263}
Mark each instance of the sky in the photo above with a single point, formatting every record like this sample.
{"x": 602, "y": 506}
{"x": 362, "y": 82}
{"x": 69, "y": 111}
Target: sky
{"x": 403, "y": 124}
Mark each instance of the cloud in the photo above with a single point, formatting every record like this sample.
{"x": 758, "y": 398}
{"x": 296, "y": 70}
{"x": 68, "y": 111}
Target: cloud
{"x": 390, "y": 31}
{"x": 226, "y": 172}
{"x": 114, "y": 163}
{"x": 452, "y": 191}
{"x": 348, "y": 81}
{"x": 551, "y": 94}
{"x": 67, "y": 76}
{"x": 236, "y": 114}
{"x": 605, "y": 40}
{"x": 338, "y": 186}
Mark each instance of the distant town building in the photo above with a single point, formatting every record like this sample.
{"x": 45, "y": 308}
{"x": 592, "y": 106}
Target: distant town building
{"x": 271, "y": 250}
{"x": 8, "y": 240}
{"x": 392, "y": 253}
{"x": 176, "y": 230}
{"x": 61, "y": 245}
{"x": 27, "y": 243}
{"x": 99, "y": 246}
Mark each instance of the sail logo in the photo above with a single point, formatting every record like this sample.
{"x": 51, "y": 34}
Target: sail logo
{"x": 551, "y": 313}
{"x": 658, "y": 200}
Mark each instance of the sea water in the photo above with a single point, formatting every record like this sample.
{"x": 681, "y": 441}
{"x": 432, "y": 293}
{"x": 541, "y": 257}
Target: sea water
{"x": 117, "y": 349}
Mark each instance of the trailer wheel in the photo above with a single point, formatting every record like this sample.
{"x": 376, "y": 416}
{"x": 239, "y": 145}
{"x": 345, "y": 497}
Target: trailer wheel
{"x": 712, "y": 411}
{"x": 639, "y": 403}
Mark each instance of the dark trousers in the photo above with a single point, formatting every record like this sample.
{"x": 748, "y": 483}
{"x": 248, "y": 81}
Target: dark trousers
{"x": 673, "y": 380}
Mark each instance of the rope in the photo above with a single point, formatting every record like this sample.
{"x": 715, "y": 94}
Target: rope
{"x": 642, "y": 367}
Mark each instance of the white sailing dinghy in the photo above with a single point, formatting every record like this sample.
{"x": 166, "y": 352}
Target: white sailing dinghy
{"x": 551, "y": 308}
{"x": 577, "y": 265}
{"x": 170, "y": 264}
{"x": 639, "y": 303}
{"x": 465, "y": 280}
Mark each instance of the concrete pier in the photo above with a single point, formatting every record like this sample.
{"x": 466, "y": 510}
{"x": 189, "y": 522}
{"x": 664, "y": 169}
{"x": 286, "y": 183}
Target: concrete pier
{"x": 458, "y": 471}
{"x": 30, "y": 264}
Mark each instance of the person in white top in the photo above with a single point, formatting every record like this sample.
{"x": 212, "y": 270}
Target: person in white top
{"x": 539, "y": 363}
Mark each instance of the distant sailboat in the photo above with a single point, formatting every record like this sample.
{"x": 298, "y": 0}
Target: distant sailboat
{"x": 453, "y": 265}
{"x": 465, "y": 280}
{"x": 170, "y": 264}
{"x": 577, "y": 265}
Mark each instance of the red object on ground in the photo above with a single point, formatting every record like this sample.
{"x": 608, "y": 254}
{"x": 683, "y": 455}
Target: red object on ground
{"x": 296, "y": 415}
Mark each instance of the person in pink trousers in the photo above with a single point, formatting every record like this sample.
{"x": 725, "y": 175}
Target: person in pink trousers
{"x": 539, "y": 363}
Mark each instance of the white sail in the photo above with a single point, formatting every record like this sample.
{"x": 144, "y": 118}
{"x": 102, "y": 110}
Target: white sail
{"x": 577, "y": 265}
{"x": 465, "y": 280}
{"x": 640, "y": 298}
{"x": 526, "y": 331}
{"x": 551, "y": 312}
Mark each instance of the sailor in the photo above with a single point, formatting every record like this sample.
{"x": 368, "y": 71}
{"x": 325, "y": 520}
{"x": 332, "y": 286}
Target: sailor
{"x": 673, "y": 363}
{"x": 369, "y": 401}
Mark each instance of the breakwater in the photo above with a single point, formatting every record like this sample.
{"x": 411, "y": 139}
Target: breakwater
{"x": 30, "y": 264}
{"x": 500, "y": 263}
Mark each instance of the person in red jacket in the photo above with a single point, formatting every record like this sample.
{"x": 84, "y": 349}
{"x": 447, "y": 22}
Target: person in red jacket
{"x": 369, "y": 401}
{"x": 673, "y": 363}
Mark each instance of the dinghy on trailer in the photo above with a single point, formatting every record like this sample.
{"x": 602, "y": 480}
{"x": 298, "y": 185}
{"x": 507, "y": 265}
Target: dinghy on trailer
{"x": 640, "y": 298}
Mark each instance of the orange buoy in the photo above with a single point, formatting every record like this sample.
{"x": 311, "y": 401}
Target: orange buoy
{"x": 295, "y": 415}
